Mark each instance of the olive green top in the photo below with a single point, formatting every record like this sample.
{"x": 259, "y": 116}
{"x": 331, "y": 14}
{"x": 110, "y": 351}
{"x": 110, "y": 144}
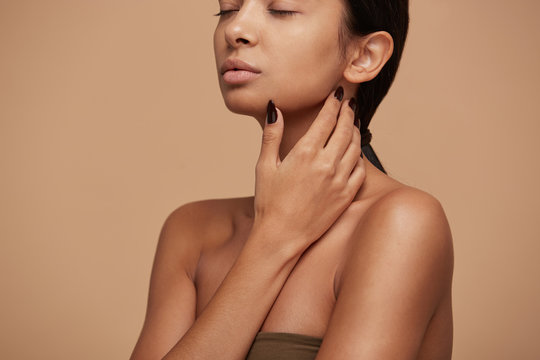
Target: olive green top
{"x": 284, "y": 346}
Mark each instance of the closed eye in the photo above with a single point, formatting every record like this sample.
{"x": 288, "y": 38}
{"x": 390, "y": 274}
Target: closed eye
{"x": 224, "y": 12}
{"x": 282, "y": 12}
{"x": 272, "y": 11}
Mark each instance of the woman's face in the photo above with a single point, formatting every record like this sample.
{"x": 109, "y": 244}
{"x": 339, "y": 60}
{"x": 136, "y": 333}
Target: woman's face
{"x": 297, "y": 55}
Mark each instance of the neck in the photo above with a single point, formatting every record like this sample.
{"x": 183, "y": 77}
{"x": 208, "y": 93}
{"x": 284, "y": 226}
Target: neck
{"x": 297, "y": 124}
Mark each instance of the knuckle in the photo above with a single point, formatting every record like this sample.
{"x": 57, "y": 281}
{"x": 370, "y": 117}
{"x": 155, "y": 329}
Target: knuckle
{"x": 259, "y": 167}
{"x": 327, "y": 168}
{"x": 306, "y": 149}
{"x": 361, "y": 173}
{"x": 347, "y": 193}
{"x": 344, "y": 136}
{"x": 347, "y": 131}
{"x": 263, "y": 165}
{"x": 328, "y": 118}
{"x": 268, "y": 137}
{"x": 362, "y": 168}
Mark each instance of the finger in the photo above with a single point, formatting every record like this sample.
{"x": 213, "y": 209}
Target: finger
{"x": 271, "y": 137}
{"x": 342, "y": 135}
{"x": 357, "y": 178}
{"x": 326, "y": 120}
{"x": 351, "y": 155}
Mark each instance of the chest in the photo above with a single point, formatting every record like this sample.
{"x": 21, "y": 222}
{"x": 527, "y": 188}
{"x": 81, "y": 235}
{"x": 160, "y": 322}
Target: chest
{"x": 307, "y": 299}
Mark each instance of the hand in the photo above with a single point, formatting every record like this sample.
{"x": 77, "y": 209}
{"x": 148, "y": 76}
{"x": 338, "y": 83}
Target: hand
{"x": 299, "y": 198}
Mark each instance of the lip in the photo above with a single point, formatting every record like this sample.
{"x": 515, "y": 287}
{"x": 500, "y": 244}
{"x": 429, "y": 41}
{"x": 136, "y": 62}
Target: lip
{"x": 234, "y": 77}
{"x": 232, "y": 64}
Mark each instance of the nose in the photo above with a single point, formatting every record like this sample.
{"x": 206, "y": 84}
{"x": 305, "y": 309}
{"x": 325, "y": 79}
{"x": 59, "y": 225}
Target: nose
{"x": 242, "y": 30}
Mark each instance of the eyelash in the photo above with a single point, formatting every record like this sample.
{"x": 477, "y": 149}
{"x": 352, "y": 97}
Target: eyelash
{"x": 275, "y": 12}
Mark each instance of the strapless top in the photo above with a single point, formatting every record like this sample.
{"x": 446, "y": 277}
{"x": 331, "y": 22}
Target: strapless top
{"x": 283, "y": 346}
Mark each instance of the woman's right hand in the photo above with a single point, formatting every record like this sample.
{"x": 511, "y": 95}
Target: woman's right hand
{"x": 297, "y": 199}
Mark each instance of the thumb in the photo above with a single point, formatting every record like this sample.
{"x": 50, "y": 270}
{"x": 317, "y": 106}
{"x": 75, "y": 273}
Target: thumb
{"x": 272, "y": 134}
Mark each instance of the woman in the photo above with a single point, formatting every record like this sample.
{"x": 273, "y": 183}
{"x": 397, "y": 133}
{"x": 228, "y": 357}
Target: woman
{"x": 332, "y": 258}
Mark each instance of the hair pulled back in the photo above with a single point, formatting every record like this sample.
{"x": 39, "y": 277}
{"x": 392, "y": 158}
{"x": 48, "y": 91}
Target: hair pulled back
{"x": 362, "y": 17}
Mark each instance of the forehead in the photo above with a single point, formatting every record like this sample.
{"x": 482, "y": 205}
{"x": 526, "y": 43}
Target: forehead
{"x": 329, "y": 9}
{"x": 297, "y": 2}
{"x": 312, "y": 4}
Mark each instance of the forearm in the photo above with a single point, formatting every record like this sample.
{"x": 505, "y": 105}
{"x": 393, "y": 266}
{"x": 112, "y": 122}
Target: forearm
{"x": 229, "y": 323}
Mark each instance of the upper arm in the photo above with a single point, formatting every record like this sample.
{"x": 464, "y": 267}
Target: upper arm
{"x": 397, "y": 272}
{"x": 171, "y": 303}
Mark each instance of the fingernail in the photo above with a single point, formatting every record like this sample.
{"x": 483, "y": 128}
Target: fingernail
{"x": 271, "y": 113}
{"x": 339, "y": 93}
{"x": 352, "y": 103}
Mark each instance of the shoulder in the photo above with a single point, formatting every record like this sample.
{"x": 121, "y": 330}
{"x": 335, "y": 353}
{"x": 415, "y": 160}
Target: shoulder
{"x": 411, "y": 209}
{"x": 196, "y": 214}
{"x": 195, "y": 225}
{"x": 405, "y": 224}
{"x": 209, "y": 215}
{"x": 397, "y": 273}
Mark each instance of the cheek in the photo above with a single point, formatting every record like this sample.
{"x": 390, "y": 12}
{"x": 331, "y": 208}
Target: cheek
{"x": 307, "y": 69}
{"x": 300, "y": 69}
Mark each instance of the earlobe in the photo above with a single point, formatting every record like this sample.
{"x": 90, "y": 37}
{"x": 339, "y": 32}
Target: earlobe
{"x": 371, "y": 54}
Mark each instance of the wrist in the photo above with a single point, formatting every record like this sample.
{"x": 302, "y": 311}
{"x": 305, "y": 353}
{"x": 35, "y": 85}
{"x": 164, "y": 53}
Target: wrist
{"x": 270, "y": 241}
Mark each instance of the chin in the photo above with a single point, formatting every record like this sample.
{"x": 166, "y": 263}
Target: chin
{"x": 252, "y": 99}
{"x": 245, "y": 103}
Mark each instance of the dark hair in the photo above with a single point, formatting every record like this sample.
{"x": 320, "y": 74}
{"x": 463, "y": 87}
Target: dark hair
{"x": 362, "y": 17}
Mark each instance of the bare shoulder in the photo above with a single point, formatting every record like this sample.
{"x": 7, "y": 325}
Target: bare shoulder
{"x": 410, "y": 211}
{"x": 209, "y": 216}
{"x": 409, "y": 224}
{"x": 401, "y": 222}
{"x": 172, "y": 299}
{"x": 202, "y": 217}
{"x": 395, "y": 282}
{"x": 195, "y": 225}
{"x": 404, "y": 197}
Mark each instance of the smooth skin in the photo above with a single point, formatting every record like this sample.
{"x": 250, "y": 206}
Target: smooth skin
{"x": 328, "y": 246}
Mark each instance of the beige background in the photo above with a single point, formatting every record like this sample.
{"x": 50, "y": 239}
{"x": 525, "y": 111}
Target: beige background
{"x": 111, "y": 117}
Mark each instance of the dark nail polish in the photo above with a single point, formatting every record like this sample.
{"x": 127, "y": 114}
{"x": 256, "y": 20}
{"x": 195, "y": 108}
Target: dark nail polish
{"x": 271, "y": 113}
{"x": 352, "y": 103}
{"x": 339, "y": 93}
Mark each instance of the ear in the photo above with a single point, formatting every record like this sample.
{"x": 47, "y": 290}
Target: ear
{"x": 371, "y": 53}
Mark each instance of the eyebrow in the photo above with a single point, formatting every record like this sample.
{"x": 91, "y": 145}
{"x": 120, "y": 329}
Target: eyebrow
{"x": 303, "y": 1}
